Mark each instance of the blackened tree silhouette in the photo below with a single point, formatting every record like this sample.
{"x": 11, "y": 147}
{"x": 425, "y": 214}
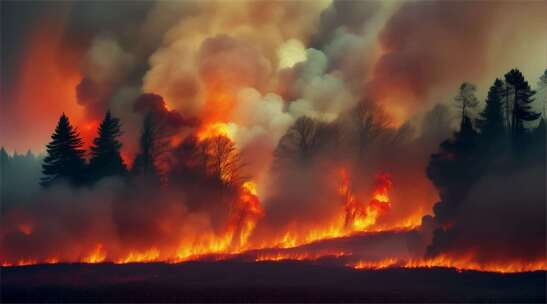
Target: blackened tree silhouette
{"x": 542, "y": 91}
{"x": 522, "y": 96}
{"x": 106, "y": 159}
{"x": 453, "y": 169}
{"x": 65, "y": 156}
{"x": 491, "y": 122}
{"x": 145, "y": 164}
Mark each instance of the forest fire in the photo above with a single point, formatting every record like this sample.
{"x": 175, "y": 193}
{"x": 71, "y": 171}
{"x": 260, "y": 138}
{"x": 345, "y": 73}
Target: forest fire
{"x": 279, "y": 136}
{"x": 355, "y": 217}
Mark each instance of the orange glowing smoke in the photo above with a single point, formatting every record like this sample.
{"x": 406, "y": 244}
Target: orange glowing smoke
{"x": 45, "y": 88}
{"x": 214, "y": 130}
{"x": 219, "y": 102}
{"x": 354, "y": 214}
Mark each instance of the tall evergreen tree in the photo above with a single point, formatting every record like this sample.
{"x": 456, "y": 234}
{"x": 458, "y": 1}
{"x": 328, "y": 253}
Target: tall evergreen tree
{"x": 4, "y": 157}
{"x": 105, "y": 153}
{"x": 542, "y": 91}
{"x": 4, "y": 163}
{"x": 65, "y": 156}
{"x": 491, "y": 121}
{"x": 145, "y": 163}
{"x": 522, "y": 96}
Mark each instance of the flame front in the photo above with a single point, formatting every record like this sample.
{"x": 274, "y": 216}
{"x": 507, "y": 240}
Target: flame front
{"x": 234, "y": 239}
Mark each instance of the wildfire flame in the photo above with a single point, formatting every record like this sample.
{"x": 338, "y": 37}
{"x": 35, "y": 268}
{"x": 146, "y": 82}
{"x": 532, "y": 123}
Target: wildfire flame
{"x": 355, "y": 216}
{"x": 360, "y": 216}
{"x": 451, "y": 262}
{"x": 216, "y": 129}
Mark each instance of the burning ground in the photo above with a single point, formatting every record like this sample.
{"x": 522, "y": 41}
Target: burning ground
{"x": 271, "y": 131}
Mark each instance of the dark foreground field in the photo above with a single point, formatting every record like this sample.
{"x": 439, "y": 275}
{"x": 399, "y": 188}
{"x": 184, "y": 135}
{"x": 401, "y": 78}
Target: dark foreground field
{"x": 236, "y": 281}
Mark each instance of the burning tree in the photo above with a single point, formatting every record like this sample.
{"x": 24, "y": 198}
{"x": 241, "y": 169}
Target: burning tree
{"x": 223, "y": 160}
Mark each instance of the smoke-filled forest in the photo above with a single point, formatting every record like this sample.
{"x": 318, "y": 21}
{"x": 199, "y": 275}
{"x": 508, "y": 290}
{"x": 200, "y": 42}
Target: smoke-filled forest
{"x": 378, "y": 134}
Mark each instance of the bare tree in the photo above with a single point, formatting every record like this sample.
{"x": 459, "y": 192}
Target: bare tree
{"x": 300, "y": 142}
{"x": 223, "y": 160}
{"x": 370, "y": 123}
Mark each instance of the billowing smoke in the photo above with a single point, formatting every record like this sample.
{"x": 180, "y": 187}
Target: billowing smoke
{"x": 501, "y": 218}
{"x": 429, "y": 47}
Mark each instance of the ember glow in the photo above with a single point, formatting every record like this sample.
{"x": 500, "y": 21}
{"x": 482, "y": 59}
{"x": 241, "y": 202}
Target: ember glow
{"x": 272, "y": 131}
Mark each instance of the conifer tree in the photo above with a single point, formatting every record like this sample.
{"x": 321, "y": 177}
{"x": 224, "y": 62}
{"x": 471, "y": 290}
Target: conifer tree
{"x": 4, "y": 163}
{"x": 491, "y": 121}
{"x": 105, "y": 152}
{"x": 145, "y": 164}
{"x": 65, "y": 156}
{"x": 522, "y": 96}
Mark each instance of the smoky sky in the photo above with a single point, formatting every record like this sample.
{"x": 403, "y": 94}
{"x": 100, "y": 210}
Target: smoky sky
{"x": 18, "y": 19}
{"x": 405, "y": 55}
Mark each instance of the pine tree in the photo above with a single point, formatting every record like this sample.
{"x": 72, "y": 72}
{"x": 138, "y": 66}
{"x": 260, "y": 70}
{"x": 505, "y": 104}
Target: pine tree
{"x": 491, "y": 122}
{"x": 65, "y": 156}
{"x": 4, "y": 164}
{"x": 542, "y": 91}
{"x": 522, "y": 98}
{"x": 4, "y": 157}
{"x": 105, "y": 152}
{"x": 145, "y": 163}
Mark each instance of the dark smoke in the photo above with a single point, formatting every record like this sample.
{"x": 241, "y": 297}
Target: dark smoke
{"x": 502, "y": 218}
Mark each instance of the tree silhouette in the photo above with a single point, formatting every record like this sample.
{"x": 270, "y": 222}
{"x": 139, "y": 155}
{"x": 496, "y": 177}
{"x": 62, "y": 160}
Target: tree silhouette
{"x": 105, "y": 152}
{"x": 370, "y": 124}
{"x": 4, "y": 162}
{"x": 522, "y": 96}
{"x": 303, "y": 141}
{"x": 224, "y": 160}
{"x": 65, "y": 156}
{"x": 145, "y": 163}
{"x": 466, "y": 99}
{"x": 542, "y": 89}
{"x": 491, "y": 121}
{"x": 453, "y": 170}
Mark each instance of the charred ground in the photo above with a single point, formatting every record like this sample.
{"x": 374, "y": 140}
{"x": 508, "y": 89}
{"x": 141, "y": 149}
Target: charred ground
{"x": 236, "y": 281}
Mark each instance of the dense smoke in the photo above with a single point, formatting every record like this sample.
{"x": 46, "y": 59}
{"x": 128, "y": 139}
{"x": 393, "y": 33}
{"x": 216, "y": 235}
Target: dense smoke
{"x": 308, "y": 102}
{"x": 501, "y": 219}
{"x": 430, "y": 46}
